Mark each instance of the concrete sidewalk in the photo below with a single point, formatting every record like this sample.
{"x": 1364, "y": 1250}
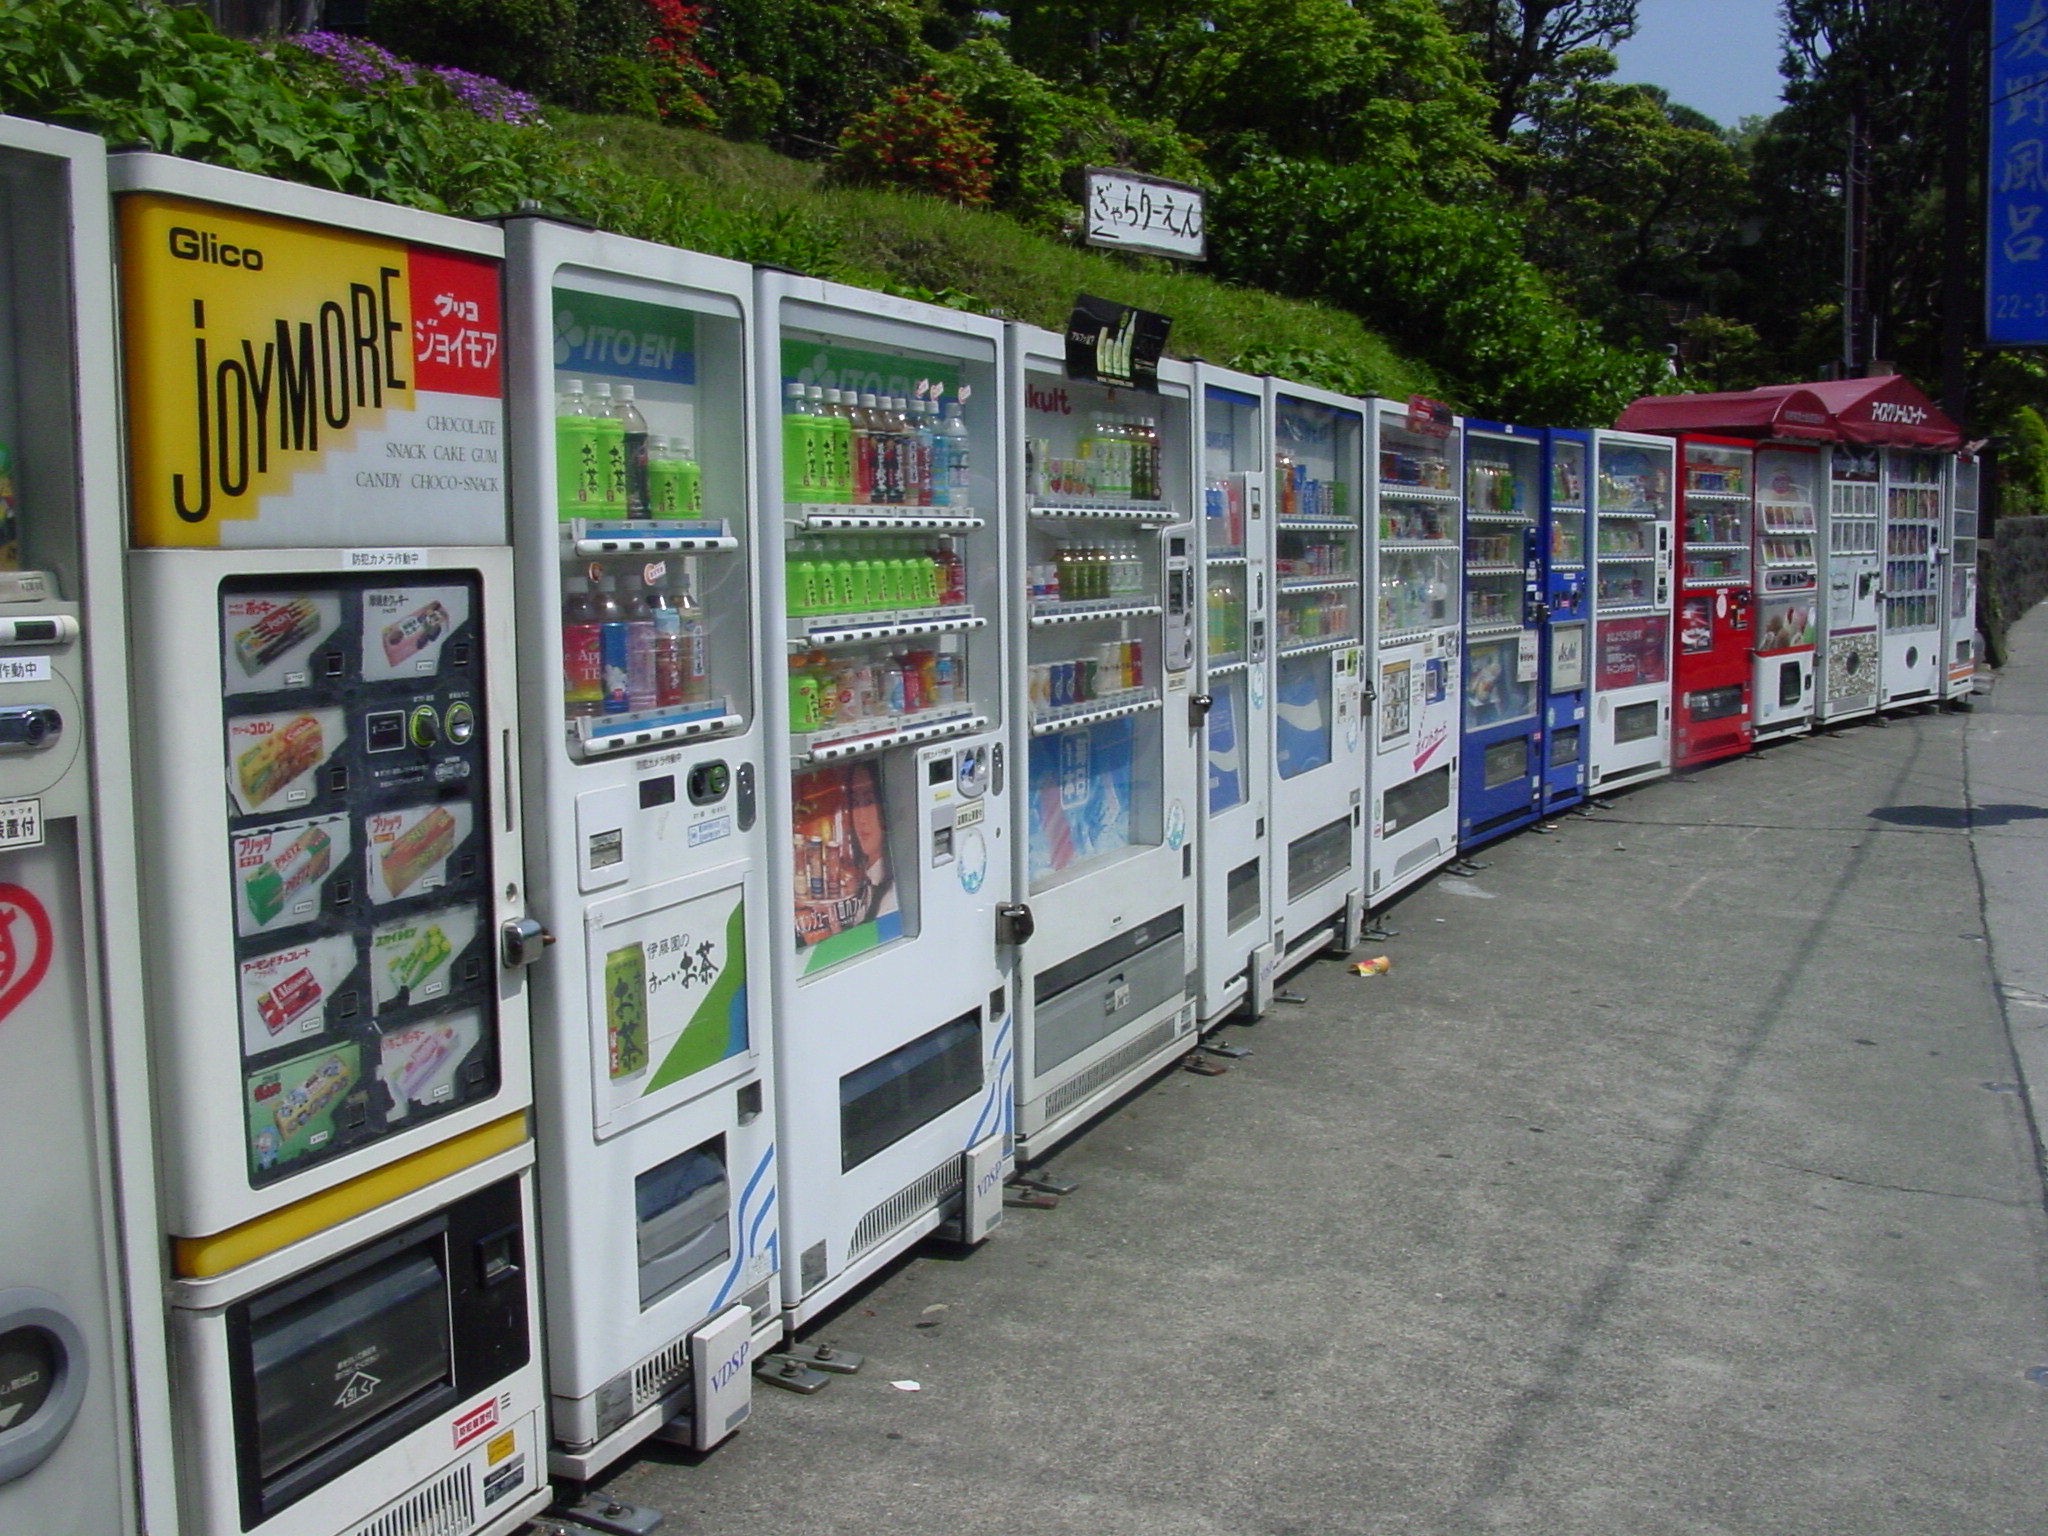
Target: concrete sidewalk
{"x": 1676, "y": 1180}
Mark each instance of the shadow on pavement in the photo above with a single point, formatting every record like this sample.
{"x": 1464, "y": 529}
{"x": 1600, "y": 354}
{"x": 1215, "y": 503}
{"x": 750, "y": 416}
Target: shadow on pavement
{"x": 1956, "y": 816}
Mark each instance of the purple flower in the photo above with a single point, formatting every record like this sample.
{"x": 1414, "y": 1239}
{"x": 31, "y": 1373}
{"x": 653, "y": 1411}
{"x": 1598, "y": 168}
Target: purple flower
{"x": 374, "y": 70}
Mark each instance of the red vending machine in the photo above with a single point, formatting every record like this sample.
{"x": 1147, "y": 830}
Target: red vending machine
{"x": 1713, "y": 630}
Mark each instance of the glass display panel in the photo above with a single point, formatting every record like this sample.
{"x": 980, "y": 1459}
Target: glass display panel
{"x": 1565, "y": 746}
{"x": 884, "y": 1101}
{"x": 1715, "y": 703}
{"x": 1791, "y": 685}
{"x": 1318, "y": 858}
{"x": 1084, "y": 785}
{"x": 1912, "y": 517}
{"x": 1241, "y": 895}
{"x": 359, "y": 811}
{"x": 1506, "y": 762}
{"x": 845, "y": 844}
{"x": 651, "y": 495}
{"x": 1225, "y": 602}
{"x": 1302, "y": 714}
{"x": 1317, "y": 556}
{"x": 1416, "y": 591}
{"x": 1406, "y": 805}
{"x": 1500, "y": 681}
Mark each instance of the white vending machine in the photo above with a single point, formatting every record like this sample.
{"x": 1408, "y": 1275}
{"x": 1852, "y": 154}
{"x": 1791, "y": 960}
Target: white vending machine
{"x": 630, "y": 380}
{"x": 1959, "y": 635}
{"x": 1632, "y": 522}
{"x": 1787, "y": 626}
{"x": 889, "y": 805}
{"x": 1850, "y": 654}
{"x": 1103, "y": 732}
{"x": 1316, "y": 557}
{"x": 1915, "y": 562}
{"x": 1234, "y": 948}
{"x": 1415, "y": 685}
{"x": 84, "y": 1388}
{"x": 332, "y": 872}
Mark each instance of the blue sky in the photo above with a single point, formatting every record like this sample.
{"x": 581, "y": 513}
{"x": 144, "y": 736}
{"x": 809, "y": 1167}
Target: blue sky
{"x": 1719, "y": 57}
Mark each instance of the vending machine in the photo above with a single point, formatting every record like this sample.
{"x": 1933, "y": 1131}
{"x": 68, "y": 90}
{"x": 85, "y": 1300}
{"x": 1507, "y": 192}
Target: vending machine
{"x": 1849, "y": 655}
{"x": 1319, "y": 757}
{"x": 1501, "y": 744}
{"x": 1632, "y": 515}
{"x": 1415, "y": 683}
{"x": 84, "y": 1385}
{"x": 1914, "y": 566}
{"x": 1788, "y": 589}
{"x": 322, "y": 644}
{"x": 632, "y": 427}
{"x": 1715, "y": 629}
{"x": 1567, "y": 611}
{"x": 1959, "y": 635}
{"x": 889, "y": 807}
{"x": 1235, "y": 948}
{"x": 1104, "y": 729}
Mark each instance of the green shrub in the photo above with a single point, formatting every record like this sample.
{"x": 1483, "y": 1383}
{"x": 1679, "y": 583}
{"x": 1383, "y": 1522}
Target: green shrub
{"x": 829, "y": 59}
{"x": 2024, "y": 464}
{"x": 593, "y": 55}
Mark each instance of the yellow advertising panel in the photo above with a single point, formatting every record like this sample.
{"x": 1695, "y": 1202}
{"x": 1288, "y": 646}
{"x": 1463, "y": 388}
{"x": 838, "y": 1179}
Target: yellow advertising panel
{"x": 297, "y": 385}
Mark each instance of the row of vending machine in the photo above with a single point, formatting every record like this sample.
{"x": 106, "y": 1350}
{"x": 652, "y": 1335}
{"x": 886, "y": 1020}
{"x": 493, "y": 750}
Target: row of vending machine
{"x": 564, "y": 801}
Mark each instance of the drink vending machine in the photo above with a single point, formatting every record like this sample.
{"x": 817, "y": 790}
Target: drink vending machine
{"x": 84, "y": 1385}
{"x": 1959, "y": 633}
{"x": 1914, "y": 558}
{"x": 1317, "y": 560}
{"x": 885, "y": 586}
{"x": 1849, "y": 656}
{"x": 1235, "y": 948}
{"x": 1715, "y": 629}
{"x": 1415, "y": 681}
{"x": 1631, "y": 609}
{"x": 634, "y": 532}
{"x": 1788, "y": 589}
{"x": 1501, "y": 748}
{"x": 1103, "y": 728}
{"x": 322, "y": 645}
{"x": 1566, "y": 536}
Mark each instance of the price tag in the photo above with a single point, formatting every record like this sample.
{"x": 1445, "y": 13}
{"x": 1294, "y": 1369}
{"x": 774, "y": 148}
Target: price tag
{"x": 1525, "y": 658}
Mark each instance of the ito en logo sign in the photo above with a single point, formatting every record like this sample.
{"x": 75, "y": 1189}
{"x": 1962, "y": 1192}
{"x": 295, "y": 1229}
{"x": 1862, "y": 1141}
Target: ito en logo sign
{"x": 290, "y": 384}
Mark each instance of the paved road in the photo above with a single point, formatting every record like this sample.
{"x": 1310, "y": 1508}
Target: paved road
{"x": 1678, "y": 1179}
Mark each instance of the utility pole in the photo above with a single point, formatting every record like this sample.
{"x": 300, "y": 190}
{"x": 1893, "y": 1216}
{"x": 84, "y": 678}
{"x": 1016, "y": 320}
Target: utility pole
{"x": 1855, "y": 247}
{"x": 1959, "y": 210}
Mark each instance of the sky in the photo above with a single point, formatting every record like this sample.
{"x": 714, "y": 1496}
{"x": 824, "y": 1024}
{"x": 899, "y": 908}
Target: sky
{"x": 1719, "y": 57}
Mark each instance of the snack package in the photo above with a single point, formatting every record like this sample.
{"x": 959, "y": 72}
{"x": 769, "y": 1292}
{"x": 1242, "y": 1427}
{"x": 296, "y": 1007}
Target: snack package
{"x": 414, "y": 633}
{"x": 285, "y": 1003}
{"x": 286, "y": 625}
{"x": 412, "y": 1057}
{"x": 298, "y": 1105}
{"x": 417, "y": 849}
{"x": 269, "y": 886}
{"x": 428, "y": 953}
{"x": 263, "y": 770}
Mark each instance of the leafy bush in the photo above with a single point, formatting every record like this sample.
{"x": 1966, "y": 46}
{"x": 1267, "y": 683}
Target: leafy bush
{"x": 624, "y": 56}
{"x": 828, "y": 59}
{"x": 919, "y": 138}
{"x": 2024, "y": 464}
{"x": 1446, "y": 279}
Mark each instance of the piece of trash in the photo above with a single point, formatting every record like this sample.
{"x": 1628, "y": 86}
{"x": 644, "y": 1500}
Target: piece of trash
{"x": 906, "y": 1386}
{"x": 937, "y": 1306}
{"x": 1379, "y": 965}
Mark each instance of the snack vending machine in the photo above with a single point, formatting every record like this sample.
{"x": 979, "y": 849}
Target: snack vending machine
{"x": 1566, "y": 610}
{"x": 1415, "y": 682}
{"x": 889, "y": 808}
{"x": 1959, "y": 635}
{"x": 322, "y": 644}
{"x": 1105, "y": 734}
{"x": 1716, "y": 600}
{"x": 1850, "y": 653}
{"x": 1632, "y": 518}
{"x": 84, "y": 1387}
{"x": 634, "y": 534}
{"x": 1501, "y": 745}
{"x": 1788, "y": 589}
{"x": 1317, "y": 561}
{"x": 1235, "y": 948}
{"x": 1914, "y": 558}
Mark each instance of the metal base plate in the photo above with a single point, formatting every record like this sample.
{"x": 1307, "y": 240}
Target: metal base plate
{"x": 613, "y": 1516}
{"x": 780, "y": 1370}
{"x": 825, "y": 1356}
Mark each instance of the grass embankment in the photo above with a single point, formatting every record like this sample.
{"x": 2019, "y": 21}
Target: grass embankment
{"x": 990, "y": 263}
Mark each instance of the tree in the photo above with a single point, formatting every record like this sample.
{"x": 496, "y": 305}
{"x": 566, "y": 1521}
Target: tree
{"x": 1522, "y": 43}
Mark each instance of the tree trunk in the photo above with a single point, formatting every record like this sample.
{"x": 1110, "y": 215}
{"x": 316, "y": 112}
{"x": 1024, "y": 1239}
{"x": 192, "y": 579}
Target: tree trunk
{"x": 258, "y": 18}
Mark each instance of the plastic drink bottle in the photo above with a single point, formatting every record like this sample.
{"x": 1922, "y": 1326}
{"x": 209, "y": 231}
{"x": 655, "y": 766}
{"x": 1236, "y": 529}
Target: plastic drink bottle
{"x": 610, "y": 429}
{"x": 582, "y": 655}
{"x": 633, "y": 427}
{"x": 577, "y": 474}
{"x": 924, "y": 424}
{"x": 958, "y": 467}
{"x": 839, "y": 418}
{"x": 613, "y": 647}
{"x": 641, "y": 606}
{"x": 798, "y": 447}
{"x": 689, "y": 473}
{"x": 694, "y": 644}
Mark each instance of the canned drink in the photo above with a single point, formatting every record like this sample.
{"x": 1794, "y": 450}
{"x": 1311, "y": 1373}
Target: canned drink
{"x": 1062, "y": 684}
{"x": 1136, "y": 672}
{"x": 1086, "y": 683}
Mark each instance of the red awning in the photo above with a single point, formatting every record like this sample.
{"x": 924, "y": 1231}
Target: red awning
{"x": 1783, "y": 410}
{"x": 1887, "y": 410}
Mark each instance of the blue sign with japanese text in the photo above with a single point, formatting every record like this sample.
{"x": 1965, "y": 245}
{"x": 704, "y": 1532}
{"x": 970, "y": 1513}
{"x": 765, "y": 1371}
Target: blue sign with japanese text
{"x": 2016, "y": 180}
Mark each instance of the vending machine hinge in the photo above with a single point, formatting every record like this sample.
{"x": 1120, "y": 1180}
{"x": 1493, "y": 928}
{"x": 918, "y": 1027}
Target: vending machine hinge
{"x": 1199, "y": 705}
{"x": 521, "y": 941}
{"x": 1014, "y": 924}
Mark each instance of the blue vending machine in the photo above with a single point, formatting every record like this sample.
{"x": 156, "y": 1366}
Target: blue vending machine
{"x": 1566, "y": 627}
{"x": 1500, "y": 790}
